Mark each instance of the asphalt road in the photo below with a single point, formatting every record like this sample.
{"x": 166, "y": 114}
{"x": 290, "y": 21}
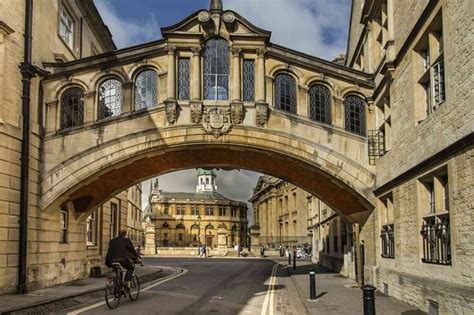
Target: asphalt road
{"x": 217, "y": 286}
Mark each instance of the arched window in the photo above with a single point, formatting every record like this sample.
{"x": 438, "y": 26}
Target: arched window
{"x": 216, "y": 69}
{"x": 72, "y": 108}
{"x": 285, "y": 93}
{"x": 355, "y": 114}
{"x": 110, "y": 98}
{"x": 320, "y": 103}
{"x": 145, "y": 89}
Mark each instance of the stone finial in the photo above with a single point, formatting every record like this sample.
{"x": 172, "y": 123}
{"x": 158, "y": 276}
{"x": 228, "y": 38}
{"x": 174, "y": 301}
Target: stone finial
{"x": 216, "y": 5}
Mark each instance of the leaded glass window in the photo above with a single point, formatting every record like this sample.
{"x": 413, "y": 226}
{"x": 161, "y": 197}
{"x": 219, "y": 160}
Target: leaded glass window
{"x": 183, "y": 78}
{"x": 249, "y": 81}
{"x": 355, "y": 114}
{"x": 110, "y": 98}
{"x": 145, "y": 89}
{"x": 320, "y": 103}
{"x": 216, "y": 69}
{"x": 285, "y": 93}
{"x": 72, "y": 108}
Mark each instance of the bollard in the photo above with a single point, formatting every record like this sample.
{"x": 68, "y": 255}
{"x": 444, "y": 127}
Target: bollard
{"x": 369, "y": 299}
{"x": 312, "y": 284}
{"x": 294, "y": 261}
{"x": 289, "y": 258}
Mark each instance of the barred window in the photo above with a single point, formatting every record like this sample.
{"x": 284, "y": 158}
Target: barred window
{"x": 388, "y": 241}
{"x": 63, "y": 225}
{"x": 183, "y": 79}
{"x": 194, "y": 210}
{"x": 285, "y": 93}
{"x": 355, "y": 114}
{"x": 320, "y": 103}
{"x": 72, "y": 108}
{"x": 438, "y": 82}
{"x": 209, "y": 210}
{"x": 145, "y": 89}
{"x": 110, "y": 99}
{"x": 216, "y": 69}
{"x": 222, "y": 211}
{"x": 249, "y": 80}
{"x": 435, "y": 229}
{"x": 91, "y": 229}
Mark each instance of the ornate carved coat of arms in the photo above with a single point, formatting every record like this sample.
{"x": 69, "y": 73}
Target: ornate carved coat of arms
{"x": 216, "y": 121}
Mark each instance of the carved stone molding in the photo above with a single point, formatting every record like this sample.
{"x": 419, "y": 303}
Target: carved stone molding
{"x": 171, "y": 49}
{"x": 261, "y": 52}
{"x": 171, "y": 110}
{"x": 216, "y": 121}
{"x": 196, "y": 50}
{"x": 204, "y": 16}
{"x": 236, "y": 51}
{"x": 237, "y": 112}
{"x": 196, "y": 111}
{"x": 228, "y": 17}
{"x": 261, "y": 113}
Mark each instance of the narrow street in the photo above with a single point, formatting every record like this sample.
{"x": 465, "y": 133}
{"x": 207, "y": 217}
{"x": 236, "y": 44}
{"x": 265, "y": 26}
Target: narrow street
{"x": 230, "y": 286}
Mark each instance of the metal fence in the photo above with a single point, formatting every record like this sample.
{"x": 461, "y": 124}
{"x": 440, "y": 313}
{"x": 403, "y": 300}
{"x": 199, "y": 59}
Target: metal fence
{"x": 273, "y": 242}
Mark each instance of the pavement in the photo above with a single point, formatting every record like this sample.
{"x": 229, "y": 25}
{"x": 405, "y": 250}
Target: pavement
{"x": 48, "y": 300}
{"x": 213, "y": 285}
{"x": 336, "y": 294}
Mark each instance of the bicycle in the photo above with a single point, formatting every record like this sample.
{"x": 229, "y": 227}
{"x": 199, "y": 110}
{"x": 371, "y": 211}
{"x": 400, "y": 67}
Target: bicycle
{"x": 115, "y": 290}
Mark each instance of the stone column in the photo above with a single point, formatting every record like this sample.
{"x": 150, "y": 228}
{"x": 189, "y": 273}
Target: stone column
{"x": 128, "y": 103}
{"x": 236, "y": 74}
{"x": 196, "y": 74}
{"x": 171, "y": 81}
{"x": 337, "y": 112}
{"x": 90, "y": 108}
{"x": 150, "y": 237}
{"x": 261, "y": 75}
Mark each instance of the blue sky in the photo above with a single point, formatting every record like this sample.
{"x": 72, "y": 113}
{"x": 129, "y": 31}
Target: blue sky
{"x": 316, "y": 27}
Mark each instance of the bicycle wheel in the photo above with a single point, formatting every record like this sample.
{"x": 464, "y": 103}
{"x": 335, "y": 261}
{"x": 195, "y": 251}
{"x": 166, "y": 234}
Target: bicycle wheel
{"x": 134, "y": 288}
{"x": 112, "y": 293}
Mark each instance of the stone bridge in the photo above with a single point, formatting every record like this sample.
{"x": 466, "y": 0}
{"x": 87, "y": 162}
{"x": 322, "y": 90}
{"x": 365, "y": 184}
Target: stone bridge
{"x": 99, "y": 141}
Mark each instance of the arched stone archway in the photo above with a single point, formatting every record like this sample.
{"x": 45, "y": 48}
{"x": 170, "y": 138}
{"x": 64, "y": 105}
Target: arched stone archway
{"x": 90, "y": 177}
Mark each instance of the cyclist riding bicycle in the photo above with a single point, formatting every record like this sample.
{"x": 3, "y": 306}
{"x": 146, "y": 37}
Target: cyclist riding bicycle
{"x": 121, "y": 251}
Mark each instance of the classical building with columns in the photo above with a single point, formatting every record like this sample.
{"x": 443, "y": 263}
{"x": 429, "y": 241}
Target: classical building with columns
{"x": 182, "y": 219}
{"x": 280, "y": 214}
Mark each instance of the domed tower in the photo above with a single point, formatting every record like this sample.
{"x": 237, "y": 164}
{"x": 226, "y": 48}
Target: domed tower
{"x": 206, "y": 181}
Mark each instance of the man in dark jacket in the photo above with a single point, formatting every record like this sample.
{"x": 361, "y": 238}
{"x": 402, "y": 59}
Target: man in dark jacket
{"x": 121, "y": 251}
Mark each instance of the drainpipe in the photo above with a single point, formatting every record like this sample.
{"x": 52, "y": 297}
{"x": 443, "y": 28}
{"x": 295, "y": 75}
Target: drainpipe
{"x": 27, "y": 72}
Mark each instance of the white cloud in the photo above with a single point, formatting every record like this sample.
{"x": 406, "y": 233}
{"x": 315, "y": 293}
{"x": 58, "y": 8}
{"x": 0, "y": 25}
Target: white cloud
{"x": 126, "y": 32}
{"x": 302, "y": 25}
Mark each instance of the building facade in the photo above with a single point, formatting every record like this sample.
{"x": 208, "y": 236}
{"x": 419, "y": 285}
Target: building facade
{"x": 421, "y": 58}
{"x": 135, "y": 214}
{"x": 183, "y": 219}
{"x": 280, "y": 215}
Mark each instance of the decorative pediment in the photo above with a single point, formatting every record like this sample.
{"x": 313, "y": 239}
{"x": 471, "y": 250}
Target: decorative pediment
{"x": 215, "y": 22}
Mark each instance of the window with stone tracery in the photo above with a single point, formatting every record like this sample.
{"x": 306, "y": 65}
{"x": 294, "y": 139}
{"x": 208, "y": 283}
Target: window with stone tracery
{"x": 110, "y": 99}
{"x": 285, "y": 93}
{"x": 72, "y": 108}
{"x": 249, "y": 80}
{"x": 320, "y": 103}
{"x": 216, "y": 69}
{"x": 183, "y": 79}
{"x": 354, "y": 108}
{"x": 145, "y": 89}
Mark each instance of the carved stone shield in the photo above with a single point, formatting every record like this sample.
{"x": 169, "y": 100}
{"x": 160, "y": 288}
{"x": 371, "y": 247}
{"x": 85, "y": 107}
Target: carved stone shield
{"x": 216, "y": 121}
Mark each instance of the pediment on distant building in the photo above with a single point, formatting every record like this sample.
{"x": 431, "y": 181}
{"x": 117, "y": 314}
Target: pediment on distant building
{"x": 205, "y": 24}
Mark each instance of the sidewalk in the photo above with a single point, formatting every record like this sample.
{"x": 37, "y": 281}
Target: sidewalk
{"x": 337, "y": 295}
{"x": 71, "y": 293}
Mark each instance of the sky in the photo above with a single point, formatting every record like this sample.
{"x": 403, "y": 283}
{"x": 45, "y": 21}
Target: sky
{"x": 316, "y": 27}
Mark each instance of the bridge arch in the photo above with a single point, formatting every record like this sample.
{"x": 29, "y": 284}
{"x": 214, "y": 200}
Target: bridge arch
{"x": 91, "y": 177}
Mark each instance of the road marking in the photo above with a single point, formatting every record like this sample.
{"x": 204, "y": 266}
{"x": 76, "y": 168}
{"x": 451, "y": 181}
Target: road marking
{"x": 267, "y": 307}
{"x": 90, "y": 307}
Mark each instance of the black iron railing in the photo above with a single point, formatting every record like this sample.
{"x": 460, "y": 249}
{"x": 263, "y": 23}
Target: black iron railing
{"x": 388, "y": 241}
{"x": 376, "y": 140}
{"x": 436, "y": 240}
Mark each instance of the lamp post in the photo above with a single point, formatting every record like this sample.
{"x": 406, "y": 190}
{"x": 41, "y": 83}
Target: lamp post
{"x": 199, "y": 234}
{"x": 280, "y": 222}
